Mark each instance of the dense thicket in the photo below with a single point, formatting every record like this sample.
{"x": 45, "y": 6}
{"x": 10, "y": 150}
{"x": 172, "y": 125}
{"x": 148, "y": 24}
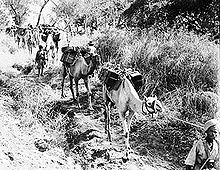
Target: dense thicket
{"x": 201, "y": 16}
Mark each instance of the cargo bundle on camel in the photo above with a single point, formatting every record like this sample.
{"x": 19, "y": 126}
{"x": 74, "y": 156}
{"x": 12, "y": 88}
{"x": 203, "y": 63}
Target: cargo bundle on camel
{"x": 78, "y": 67}
{"x": 120, "y": 89}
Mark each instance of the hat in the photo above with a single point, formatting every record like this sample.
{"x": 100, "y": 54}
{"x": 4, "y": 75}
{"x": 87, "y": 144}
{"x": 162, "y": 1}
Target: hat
{"x": 90, "y": 43}
{"x": 210, "y": 123}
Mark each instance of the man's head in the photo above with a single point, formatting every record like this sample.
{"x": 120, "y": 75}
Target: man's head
{"x": 211, "y": 128}
{"x": 90, "y": 43}
{"x": 40, "y": 47}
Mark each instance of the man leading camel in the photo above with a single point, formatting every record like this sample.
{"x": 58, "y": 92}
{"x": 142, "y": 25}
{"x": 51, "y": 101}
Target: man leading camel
{"x": 91, "y": 49}
{"x": 205, "y": 153}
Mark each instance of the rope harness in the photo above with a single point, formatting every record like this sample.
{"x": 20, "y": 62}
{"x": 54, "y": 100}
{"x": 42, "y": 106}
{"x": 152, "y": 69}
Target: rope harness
{"x": 149, "y": 107}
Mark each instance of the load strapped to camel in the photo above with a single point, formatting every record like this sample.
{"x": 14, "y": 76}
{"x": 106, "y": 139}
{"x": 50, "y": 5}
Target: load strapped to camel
{"x": 136, "y": 79}
{"x": 69, "y": 54}
{"x": 113, "y": 78}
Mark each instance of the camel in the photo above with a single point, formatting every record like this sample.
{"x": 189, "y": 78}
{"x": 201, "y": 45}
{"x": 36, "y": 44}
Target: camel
{"x": 80, "y": 69}
{"x": 127, "y": 102}
{"x": 29, "y": 40}
{"x": 50, "y": 50}
{"x": 21, "y": 35}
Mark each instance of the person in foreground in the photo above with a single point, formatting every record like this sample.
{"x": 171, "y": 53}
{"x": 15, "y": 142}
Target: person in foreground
{"x": 205, "y": 153}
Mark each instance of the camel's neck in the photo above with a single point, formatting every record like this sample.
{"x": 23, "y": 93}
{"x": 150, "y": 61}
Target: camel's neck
{"x": 91, "y": 67}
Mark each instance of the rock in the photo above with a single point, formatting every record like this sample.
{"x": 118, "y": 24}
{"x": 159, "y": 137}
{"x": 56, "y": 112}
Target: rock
{"x": 42, "y": 145}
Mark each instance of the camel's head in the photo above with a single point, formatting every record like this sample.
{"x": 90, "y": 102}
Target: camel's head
{"x": 153, "y": 106}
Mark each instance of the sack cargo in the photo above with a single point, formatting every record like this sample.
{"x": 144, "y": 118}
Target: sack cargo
{"x": 68, "y": 49}
{"x": 44, "y": 37}
{"x": 110, "y": 78}
{"x": 56, "y": 37}
{"x": 67, "y": 58}
{"x": 69, "y": 54}
{"x": 136, "y": 79}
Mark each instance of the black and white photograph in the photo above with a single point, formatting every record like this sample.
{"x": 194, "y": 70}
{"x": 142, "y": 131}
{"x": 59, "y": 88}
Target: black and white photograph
{"x": 109, "y": 85}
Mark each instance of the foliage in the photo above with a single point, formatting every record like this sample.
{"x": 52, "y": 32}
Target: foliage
{"x": 18, "y": 9}
{"x": 4, "y": 19}
{"x": 7, "y": 44}
{"x": 86, "y": 13}
{"x": 199, "y": 15}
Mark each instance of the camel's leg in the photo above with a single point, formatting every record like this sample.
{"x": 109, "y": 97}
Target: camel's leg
{"x": 71, "y": 86}
{"x": 38, "y": 72}
{"x": 42, "y": 70}
{"x": 87, "y": 84}
{"x": 126, "y": 134}
{"x": 107, "y": 119}
{"x": 129, "y": 119}
{"x": 64, "y": 74}
{"x": 125, "y": 129}
{"x": 77, "y": 92}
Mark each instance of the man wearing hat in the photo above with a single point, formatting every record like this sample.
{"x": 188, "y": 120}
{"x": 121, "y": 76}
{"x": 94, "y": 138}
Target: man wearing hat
{"x": 40, "y": 60}
{"x": 205, "y": 153}
{"x": 91, "y": 48}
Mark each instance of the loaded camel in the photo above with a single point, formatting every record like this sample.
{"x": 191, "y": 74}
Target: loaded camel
{"x": 50, "y": 49}
{"x": 81, "y": 68}
{"x": 127, "y": 102}
{"x": 51, "y": 37}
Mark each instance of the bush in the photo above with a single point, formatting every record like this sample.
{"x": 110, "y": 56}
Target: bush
{"x": 32, "y": 103}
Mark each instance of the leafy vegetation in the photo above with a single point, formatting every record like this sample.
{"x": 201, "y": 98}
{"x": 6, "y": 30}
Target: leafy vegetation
{"x": 200, "y": 16}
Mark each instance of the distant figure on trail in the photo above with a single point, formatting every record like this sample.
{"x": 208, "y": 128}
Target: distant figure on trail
{"x": 92, "y": 52}
{"x": 205, "y": 153}
{"x": 91, "y": 49}
{"x": 40, "y": 60}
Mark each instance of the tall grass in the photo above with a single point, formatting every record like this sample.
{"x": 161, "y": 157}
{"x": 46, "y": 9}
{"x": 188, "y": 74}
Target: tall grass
{"x": 171, "y": 62}
{"x": 181, "y": 68}
{"x": 32, "y": 103}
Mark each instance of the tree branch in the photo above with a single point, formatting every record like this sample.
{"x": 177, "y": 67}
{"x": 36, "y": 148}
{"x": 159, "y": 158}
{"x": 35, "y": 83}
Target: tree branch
{"x": 45, "y": 3}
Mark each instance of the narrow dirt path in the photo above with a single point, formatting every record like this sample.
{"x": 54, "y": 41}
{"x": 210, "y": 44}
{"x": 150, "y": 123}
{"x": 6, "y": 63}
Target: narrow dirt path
{"x": 96, "y": 151}
{"x": 88, "y": 147}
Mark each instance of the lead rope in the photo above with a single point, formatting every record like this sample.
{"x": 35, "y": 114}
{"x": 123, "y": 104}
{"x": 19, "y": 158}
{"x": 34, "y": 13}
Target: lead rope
{"x": 183, "y": 121}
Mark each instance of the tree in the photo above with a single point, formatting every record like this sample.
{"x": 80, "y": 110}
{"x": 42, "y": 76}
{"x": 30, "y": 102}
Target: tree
{"x": 90, "y": 13}
{"x": 3, "y": 15}
{"x": 41, "y": 9}
{"x": 201, "y": 16}
{"x": 19, "y": 10}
